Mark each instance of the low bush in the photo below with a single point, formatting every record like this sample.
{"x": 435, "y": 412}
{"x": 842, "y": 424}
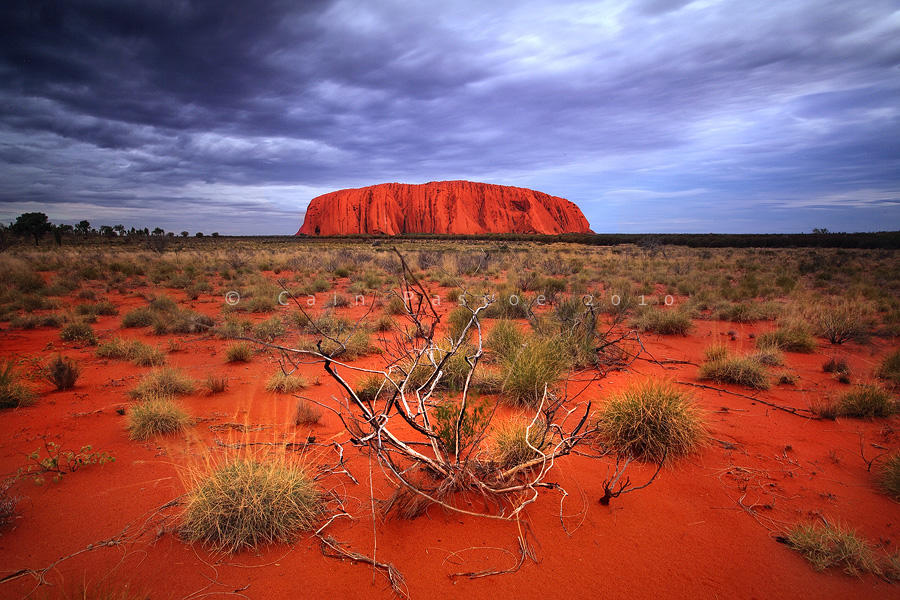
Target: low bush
{"x": 138, "y": 317}
{"x": 245, "y": 503}
{"x": 651, "y": 421}
{"x": 134, "y": 350}
{"x": 867, "y": 401}
{"x": 890, "y": 367}
{"x": 163, "y": 383}
{"x": 826, "y": 546}
{"x": 306, "y": 413}
{"x": 473, "y": 423}
{"x": 538, "y": 363}
{"x": 505, "y": 339}
{"x": 239, "y": 352}
{"x": 839, "y": 322}
{"x": 664, "y": 322}
{"x": 78, "y": 332}
{"x": 285, "y": 383}
{"x": 156, "y": 416}
{"x": 889, "y": 476}
{"x": 13, "y": 393}
{"x": 62, "y": 373}
{"x": 514, "y": 443}
{"x": 720, "y": 366}
{"x": 216, "y": 384}
{"x": 794, "y": 337}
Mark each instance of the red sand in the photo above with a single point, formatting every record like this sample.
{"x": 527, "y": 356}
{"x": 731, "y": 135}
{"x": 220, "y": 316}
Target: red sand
{"x": 686, "y": 536}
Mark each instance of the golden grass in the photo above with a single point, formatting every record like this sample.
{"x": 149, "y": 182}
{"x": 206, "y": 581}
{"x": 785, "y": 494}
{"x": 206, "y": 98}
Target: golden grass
{"x": 244, "y": 503}
{"x": 720, "y": 366}
{"x": 165, "y": 382}
{"x": 651, "y": 420}
{"x": 514, "y": 443}
{"x": 826, "y": 546}
{"x": 285, "y": 383}
{"x": 156, "y": 416}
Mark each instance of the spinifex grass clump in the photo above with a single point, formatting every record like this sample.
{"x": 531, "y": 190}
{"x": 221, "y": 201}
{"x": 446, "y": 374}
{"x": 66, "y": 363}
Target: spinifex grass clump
{"x": 239, "y": 352}
{"x": 62, "y": 373}
{"x": 12, "y": 392}
{"x": 789, "y": 337}
{"x": 156, "y": 416}
{"x": 538, "y": 363}
{"x": 867, "y": 401}
{"x": 504, "y": 340}
{"x": 515, "y": 443}
{"x": 285, "y": 383}
{"x": 650, "y": 421}
{"x": 246, "y": 502}
{"x": 830, "y": 546}
{"x": 664, "y": 322}
{"x": 78, "y": 332}
{"x": 720, "y": 366}
{"x": 890, "y": 367}
{"x": 136, "y": 351}
{"x": 889, "y": 477}
{"x": 163, "y": 383}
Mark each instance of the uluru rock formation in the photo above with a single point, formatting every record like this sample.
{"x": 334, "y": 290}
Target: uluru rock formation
{"x": 456, "y": 207}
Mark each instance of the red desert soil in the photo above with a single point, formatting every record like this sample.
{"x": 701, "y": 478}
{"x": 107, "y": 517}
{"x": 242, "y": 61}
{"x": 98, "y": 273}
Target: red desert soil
{"x": 704, "y": 529}
{"x": 459, "y": 207}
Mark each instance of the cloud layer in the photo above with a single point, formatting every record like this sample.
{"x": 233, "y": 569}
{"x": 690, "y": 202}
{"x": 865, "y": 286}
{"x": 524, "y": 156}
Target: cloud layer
{"x": 659, "y": 115}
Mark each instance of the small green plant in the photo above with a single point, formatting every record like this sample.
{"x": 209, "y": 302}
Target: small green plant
{"x": 826, "y": 546}
{"x": 54, "y": 461}
{"x": 13, "y": 393}
{"x": 306, "y": 413}
{"x": 162, "y": 383}
{"x": 474, "y": 421}
{"x": 156, "y": 416}
{"x": 78, "y": 332}
{"x": 651, "y": 421}
{"x": 516, "y": 443}
{"x": 285, "y": 383}
{"x": 62, "y": 373}
{"x": 239, "y": 352}
{"x": 244, "y": 503}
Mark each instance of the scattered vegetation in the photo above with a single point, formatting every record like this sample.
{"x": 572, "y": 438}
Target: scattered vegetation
{"x": 791, "y": 337}
{"x": 664, "y": 322}
{"x": 136, "y": 351}
{"x": 890, "y": 367}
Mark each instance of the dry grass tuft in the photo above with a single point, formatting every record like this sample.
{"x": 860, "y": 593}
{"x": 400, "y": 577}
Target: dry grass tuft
{"x": 285, "y": 383}
{"x": 722, "y": 367}
{"x": 307, "y": 413}
{"x": 245, "y": 502}
{"x": 62, "y": 373}
{"x": 13, "y": 393}
{"x": 514, "y": 443}
{"x": 652, "y": 420}
{"x": 828, "y": 546}
{"x": 156, "y": 416}
{"x": 239, "y": 352}
{"x": 889, "y": 477}
{"x": 161, "y": 383}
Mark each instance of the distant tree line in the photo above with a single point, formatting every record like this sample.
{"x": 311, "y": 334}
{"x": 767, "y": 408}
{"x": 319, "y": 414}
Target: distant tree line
{"x": 34, "y": 226}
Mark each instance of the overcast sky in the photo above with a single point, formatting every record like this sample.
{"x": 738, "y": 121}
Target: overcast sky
{"x": 651, "y": 115}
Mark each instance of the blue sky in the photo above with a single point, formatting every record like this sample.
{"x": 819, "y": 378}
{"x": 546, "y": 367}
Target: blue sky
{"x": 652, "y": 116}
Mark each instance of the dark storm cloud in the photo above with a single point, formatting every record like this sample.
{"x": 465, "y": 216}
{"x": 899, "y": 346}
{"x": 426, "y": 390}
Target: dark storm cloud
{"x": 237, "y": 113}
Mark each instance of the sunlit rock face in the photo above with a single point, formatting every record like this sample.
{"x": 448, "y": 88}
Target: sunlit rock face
{"x": 454, "y": 207}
